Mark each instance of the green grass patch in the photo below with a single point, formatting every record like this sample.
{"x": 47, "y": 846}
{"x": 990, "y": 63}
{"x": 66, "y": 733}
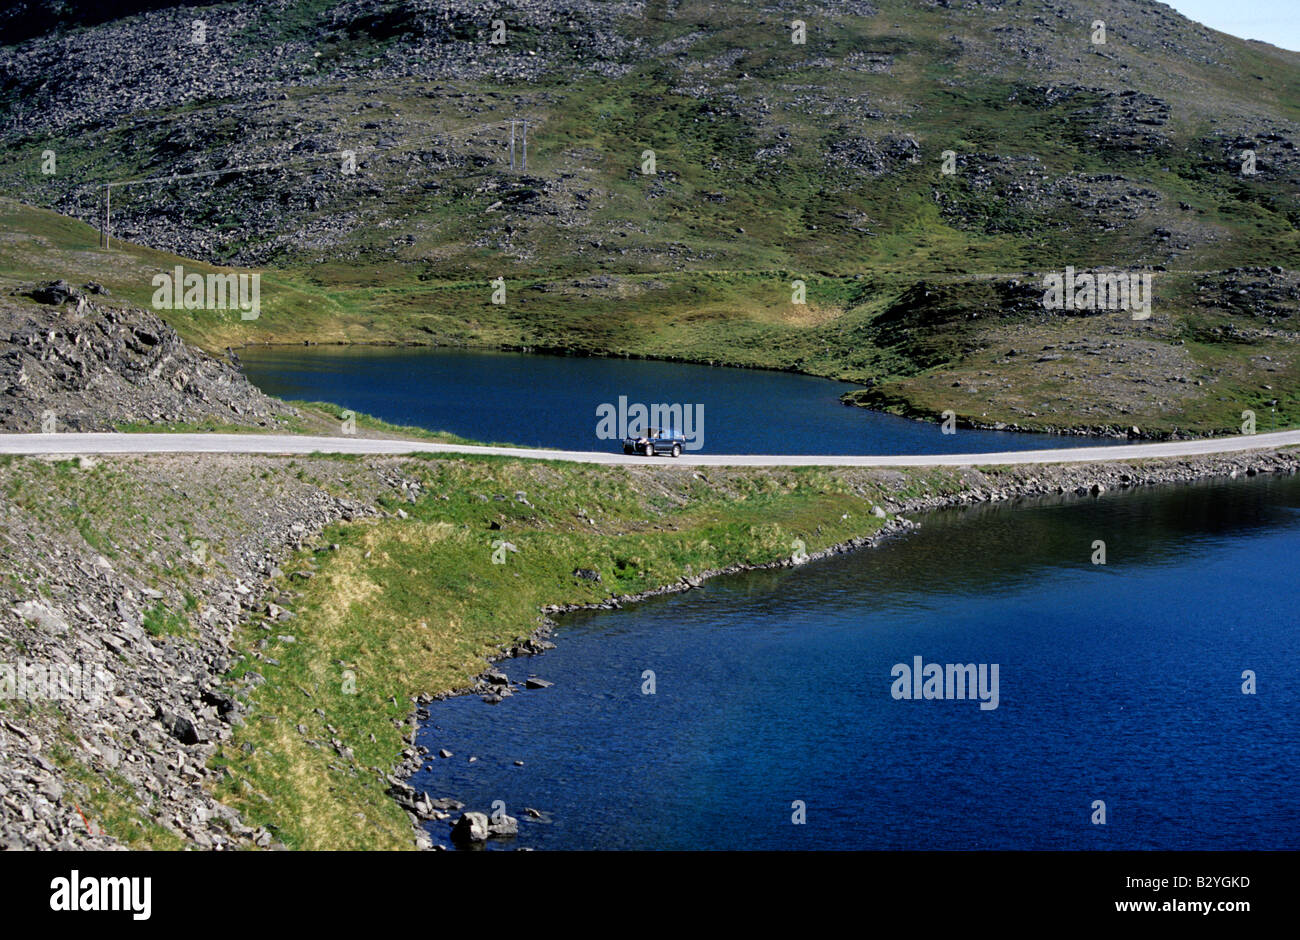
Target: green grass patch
{"x": 413, "y": 606}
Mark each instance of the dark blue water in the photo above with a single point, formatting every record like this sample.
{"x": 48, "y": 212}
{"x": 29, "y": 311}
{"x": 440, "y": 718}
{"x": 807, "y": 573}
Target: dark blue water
{"x": 1120, "y": 683}
{"x": 551, "y": 401}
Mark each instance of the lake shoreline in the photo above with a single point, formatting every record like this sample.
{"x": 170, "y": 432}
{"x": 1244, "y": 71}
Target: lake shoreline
{"x": 1077, "y": 481}
{"x": 859, "y": 395}
{"x": 440, "y": 387}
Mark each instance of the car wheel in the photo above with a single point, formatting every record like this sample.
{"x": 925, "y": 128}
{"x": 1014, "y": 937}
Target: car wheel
{"x": 677, "y": 450}
{"x": 649, "y": 450}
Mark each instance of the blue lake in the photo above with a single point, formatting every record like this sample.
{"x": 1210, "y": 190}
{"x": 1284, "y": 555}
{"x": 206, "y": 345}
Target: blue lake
{"x": 1120, "y": 683}
{"x": 551, "y": 401}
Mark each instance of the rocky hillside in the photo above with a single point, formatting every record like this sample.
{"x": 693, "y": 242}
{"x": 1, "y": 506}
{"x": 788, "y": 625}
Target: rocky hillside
{"x": 905, "y": 145}
{"x": 122, "y": 582}
{"x": 69, "y": 362}
{"x": 815, "y": 150}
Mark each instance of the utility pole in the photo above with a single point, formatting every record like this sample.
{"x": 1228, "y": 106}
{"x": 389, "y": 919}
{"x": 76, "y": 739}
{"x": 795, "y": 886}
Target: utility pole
{"x": 512, "y": 144}
{"x": 525, "y": 145}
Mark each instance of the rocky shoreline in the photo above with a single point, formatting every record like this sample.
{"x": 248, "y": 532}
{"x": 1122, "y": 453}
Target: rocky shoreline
{"x": 863, "y": 398}
{"x": 471, "y": 829}
{"x": 102, "y": 571}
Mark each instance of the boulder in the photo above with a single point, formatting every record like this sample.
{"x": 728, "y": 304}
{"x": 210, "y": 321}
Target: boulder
{"x": 55, "y": 292}
{"x": 470, "y": 829}
{"x": 503, "y": 825}
{"x": 43, "y": 615}
{"x": 178, "y": 726}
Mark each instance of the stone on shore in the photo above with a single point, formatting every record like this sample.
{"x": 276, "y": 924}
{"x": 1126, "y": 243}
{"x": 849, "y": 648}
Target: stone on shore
{"x": 470, "y": 829}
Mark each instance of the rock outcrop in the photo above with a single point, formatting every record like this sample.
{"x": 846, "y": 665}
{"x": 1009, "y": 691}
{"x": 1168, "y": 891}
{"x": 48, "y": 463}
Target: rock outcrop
{"x": 70, "y": 361}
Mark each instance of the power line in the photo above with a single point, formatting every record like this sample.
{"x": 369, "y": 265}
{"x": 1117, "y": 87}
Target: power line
{"x": 464, "y": 132}
{"x": 256, "y": 167}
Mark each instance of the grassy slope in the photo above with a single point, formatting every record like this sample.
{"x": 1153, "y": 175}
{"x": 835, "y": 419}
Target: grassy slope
{"x": 414, "y": 606}
{"x": 410, "y": 605}
{"x": 37, "y": 245}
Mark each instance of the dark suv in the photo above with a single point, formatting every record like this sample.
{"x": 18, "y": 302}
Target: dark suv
{"x": 655, "y": 441}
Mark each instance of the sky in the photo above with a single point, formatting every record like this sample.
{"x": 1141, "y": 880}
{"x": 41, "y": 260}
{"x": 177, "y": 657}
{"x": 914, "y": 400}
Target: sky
{"x": 1273, "y": 21}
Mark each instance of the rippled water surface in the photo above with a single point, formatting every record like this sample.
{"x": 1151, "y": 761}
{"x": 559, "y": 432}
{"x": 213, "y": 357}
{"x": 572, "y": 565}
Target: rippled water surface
{"x": 1120, "y": 683}
{"x": 551, "y": 401}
